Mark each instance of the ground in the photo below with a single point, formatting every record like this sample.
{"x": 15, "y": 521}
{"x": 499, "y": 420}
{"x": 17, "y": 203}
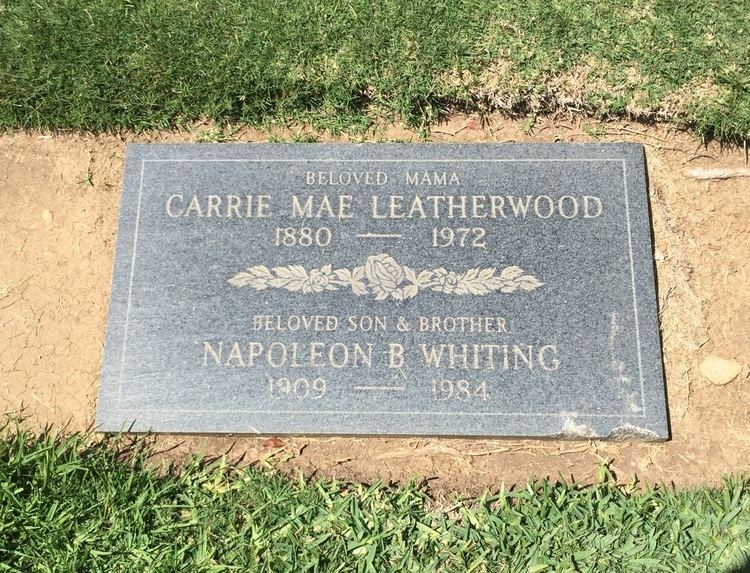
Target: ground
{"x": 58, "y": 221}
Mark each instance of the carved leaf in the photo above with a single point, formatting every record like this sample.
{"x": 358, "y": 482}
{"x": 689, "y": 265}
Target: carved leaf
{"x": 486, "y": 274}
{"x": 409, "y": 274}
{"x": 478, "y": 287}
{"x": 282, "y": 283}
{"x": 473, "y": 286}
{"x": 496, "y": 283}
{"x": 528, "y": 282}
{"x": 298, "y": 271}
{"x": 296, "y": 284}
{"x": 424, "y": 279}
{"x": 511, "y": 273}
{"x": 471, "y": 274}
{"x": 256, "y": 277}
{"x": 351, "y": 279}
{"x": 477, "y": 282}
{"x": 240, "y": 279}
{"x": 344, "y": 275}
{"x": 461, "y": 288}
{"x": 410, "y": 291}
{"x": 260, "y": 271}
{"x": 358, "y": 287}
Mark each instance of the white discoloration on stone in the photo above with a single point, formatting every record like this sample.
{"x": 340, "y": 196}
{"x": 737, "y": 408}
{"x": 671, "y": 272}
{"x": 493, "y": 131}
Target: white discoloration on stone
{"x": 629, "y": 432}
{"x": 623, "y": 381}
{"x": 576, "y": 431}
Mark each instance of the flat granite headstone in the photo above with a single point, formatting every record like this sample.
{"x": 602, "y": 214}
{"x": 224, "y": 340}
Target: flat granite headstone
{"x": 455, "y": 290}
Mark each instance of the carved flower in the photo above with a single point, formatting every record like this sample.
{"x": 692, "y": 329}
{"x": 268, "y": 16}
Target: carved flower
{"x": 317, "y": 280}
{"x": 448, "y": 281}
{"x": 384, "y": 274}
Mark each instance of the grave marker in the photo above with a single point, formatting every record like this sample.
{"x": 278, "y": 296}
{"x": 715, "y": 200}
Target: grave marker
{"x": 458, "y": 290}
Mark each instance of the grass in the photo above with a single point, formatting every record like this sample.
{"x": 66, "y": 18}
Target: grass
{"x": 140, "y": 64}
{"x": 78, "y": 504}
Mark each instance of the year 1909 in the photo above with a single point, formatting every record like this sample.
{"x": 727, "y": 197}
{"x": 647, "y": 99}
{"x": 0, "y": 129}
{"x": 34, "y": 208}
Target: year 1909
{"x": 296, "y": 388}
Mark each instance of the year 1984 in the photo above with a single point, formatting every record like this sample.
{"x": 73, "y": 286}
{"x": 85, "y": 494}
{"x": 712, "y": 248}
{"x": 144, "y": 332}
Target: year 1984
{"x": 463, "y": 390}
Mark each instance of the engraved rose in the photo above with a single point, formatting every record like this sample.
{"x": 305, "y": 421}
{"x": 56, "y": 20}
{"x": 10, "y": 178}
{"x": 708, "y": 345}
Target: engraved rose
{"x": 317, "y": 280}
{"x": 448, "y": 281}
{"x": 384, "y": 274}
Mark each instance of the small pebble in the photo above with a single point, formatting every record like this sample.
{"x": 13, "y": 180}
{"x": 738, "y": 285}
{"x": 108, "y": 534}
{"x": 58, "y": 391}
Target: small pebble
{"x": 719, "y": 370}
{"x": 47, "y": 218}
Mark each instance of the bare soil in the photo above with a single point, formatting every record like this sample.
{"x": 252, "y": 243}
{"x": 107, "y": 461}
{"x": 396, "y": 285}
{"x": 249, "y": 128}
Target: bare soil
{"x": 59, "y": 198}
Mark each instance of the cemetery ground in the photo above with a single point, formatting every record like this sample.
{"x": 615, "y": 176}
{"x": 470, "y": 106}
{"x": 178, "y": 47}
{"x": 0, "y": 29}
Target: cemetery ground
{"x": 364, "y": 504}
{"x": 119, "y": 72}
{"x": 61, "y": 197}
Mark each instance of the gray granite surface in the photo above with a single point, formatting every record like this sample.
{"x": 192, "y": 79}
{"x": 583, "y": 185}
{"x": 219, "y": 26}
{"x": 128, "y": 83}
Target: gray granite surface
{"x": 457, "y": 290}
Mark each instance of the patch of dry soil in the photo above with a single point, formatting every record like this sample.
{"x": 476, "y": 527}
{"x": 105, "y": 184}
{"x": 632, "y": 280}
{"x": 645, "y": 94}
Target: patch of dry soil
{"x": 59, "y": 198}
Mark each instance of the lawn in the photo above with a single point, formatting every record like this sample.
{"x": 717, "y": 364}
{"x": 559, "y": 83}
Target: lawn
{"x": 140, "y": 64}
{"x": 81, "y": 504}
